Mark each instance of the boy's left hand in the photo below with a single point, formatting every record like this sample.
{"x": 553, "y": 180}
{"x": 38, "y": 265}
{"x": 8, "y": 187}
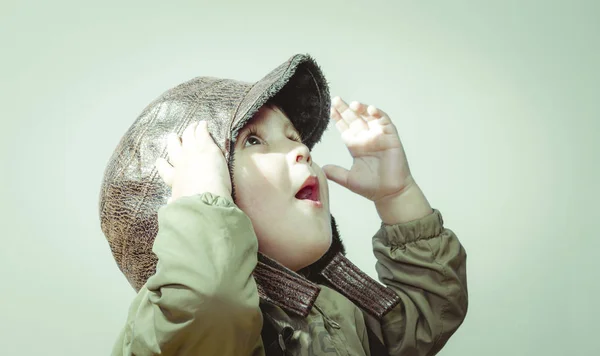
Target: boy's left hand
{"x": 380, "y": 168}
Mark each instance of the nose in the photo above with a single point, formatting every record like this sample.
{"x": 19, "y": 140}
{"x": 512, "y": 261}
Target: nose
{"x": 302, "y": 154}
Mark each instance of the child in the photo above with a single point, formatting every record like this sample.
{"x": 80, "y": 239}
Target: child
{"x": 245, "y": 257}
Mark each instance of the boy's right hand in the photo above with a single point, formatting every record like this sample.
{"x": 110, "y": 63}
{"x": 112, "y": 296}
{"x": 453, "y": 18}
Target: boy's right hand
{"x": 197, "y": 164}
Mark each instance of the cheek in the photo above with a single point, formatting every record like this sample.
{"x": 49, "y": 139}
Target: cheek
{"x": 258, "y": 188}
{"x": 249, "y": 197}
{"x": 244, "y": 184}
{"x": 255, "y": 198}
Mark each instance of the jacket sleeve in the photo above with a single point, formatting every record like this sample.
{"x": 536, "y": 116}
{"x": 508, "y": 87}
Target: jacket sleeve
{"x": 202, "y": 300}
{"x": 425, "y": 264}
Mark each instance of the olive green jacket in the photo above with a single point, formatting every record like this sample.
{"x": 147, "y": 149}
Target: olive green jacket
{"x": 203, "y": 299}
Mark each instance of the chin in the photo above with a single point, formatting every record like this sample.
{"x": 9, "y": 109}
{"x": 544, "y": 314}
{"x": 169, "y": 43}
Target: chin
{"x": 312, "y": 253}
{"x": 301, "y": 256}
{"x": 297, "y": 250}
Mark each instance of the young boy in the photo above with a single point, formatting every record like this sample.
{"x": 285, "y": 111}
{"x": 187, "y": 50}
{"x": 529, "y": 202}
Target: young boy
{"x": 247, "y": 259}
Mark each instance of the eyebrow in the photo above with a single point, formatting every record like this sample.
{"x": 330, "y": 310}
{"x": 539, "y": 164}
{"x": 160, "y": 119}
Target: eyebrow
{"x": 249, "y": 127}
{"x": 288, "y": 125}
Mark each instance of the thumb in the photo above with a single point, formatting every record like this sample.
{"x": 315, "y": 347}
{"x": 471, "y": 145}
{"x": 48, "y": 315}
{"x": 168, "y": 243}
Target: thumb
{"x": 165, "y": 171}
{"x": 336, "y": 174}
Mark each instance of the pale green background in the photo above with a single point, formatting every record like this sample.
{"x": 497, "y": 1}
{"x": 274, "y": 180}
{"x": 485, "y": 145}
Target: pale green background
{"x": 497, "y": 103}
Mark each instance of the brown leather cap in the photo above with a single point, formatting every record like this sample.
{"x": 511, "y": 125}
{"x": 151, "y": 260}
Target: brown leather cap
{"x": 132, "y": 191}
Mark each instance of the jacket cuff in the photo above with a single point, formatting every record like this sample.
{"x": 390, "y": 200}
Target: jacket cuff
{"x": 425, "y": 228}
{"x": 213, "y": 199}
{"x": 207, "y": 198}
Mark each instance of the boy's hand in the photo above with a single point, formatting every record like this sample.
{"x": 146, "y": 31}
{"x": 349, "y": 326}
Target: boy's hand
{"x": 197, "y": 164}
{"x": 380, "y": 169}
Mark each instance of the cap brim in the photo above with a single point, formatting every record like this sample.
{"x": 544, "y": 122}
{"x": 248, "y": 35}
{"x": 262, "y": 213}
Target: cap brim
{"x": 299, "y": 87}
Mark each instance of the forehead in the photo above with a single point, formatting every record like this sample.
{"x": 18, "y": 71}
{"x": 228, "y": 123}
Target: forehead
{"x": 271, "y": 116}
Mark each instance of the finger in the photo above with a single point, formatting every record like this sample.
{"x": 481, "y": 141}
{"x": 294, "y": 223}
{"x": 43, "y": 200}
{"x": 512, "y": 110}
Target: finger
{"x": 336, "y": 174}
{"x": 376, "y": 113}
{"x": 204, "y": 137}
{"x": 348, "y": 114}
{"x": 340, "y": 124}
{"x": 359, "y": 108}
{"x": 202, "y": 129}
{"x": 173, "y": 148}
{"x": 165, "y": 171}
{"x": 365, "y": 111}
{"x": 189, "y": 134}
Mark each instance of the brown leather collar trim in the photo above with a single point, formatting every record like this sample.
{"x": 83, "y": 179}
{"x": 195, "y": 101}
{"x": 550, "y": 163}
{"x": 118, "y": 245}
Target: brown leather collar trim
{"x": 283, "y": 287}
{"x": 371, "y": 296}
{"x": 294, "y": 293}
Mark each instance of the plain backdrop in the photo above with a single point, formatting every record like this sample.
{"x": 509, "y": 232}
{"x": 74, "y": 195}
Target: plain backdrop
{"x": 497, "y": 104}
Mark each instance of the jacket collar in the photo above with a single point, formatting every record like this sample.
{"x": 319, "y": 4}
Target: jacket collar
{"x": 296, "y": 294}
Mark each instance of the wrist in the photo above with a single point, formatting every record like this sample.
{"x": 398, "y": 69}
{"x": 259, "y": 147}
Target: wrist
{"x": 408, "y": 205}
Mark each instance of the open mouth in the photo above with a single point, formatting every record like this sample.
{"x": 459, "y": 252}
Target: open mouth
{"x": 309, "y": 190}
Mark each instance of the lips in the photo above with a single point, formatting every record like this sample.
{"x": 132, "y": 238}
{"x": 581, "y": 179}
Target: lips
{"x": 309, "y": 190}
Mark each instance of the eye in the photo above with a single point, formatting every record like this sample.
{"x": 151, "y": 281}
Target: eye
{"x": 295, "y": 137}
{"x": 252, "y": 139}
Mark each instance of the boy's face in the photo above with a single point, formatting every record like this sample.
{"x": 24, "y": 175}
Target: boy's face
{"x": 271, "y": 165}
